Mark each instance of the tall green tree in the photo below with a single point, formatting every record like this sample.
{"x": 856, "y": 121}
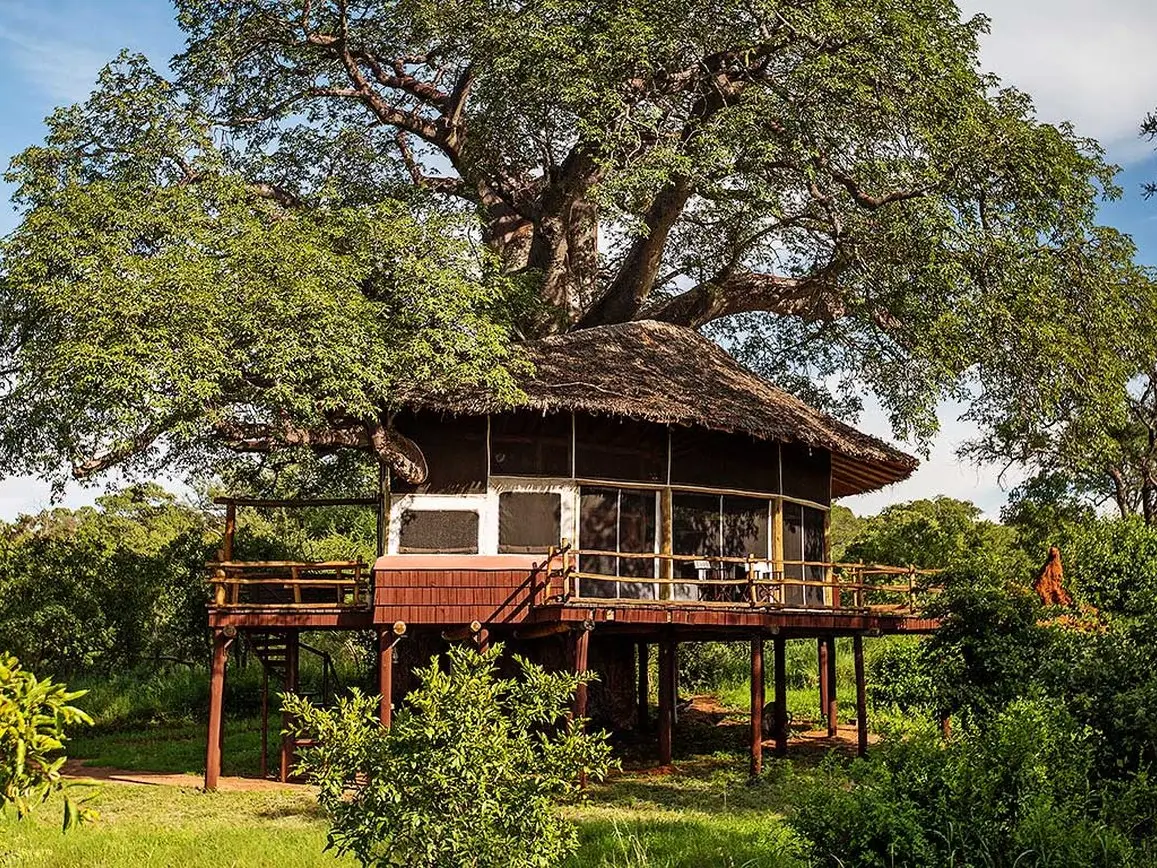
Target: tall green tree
{"x": 332, "y": 202}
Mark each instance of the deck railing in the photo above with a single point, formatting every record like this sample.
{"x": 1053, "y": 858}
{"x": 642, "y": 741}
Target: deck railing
{"x": 730, "y": 582}
{"x": 264, "y": 584}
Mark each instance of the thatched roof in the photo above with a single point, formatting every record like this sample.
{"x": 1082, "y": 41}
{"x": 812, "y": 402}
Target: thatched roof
{"x": 668, "y": 374}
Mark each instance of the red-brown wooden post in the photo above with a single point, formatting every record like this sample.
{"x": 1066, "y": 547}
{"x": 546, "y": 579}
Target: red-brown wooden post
{"x": 833, "y": 709}
{"x": 292, "y": 656}
{"x": 216, "y": 709}
{"x": 264, "y": 720}
{"x": 666, "y": 699}
{"x": 822, "y": 668}
{"x": 386, "y": 675}
{"x": 757, "y": 701}
{"x": 780, "y": 696}
{"x": 644, "y": 687}
{"x": 582, "y": 640}
{"x": 861, "y": 696}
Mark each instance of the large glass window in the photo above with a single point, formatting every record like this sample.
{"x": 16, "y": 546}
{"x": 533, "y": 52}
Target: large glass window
{"x": 713, "y": 526}
{"x": 803, "y": 541}
{"x": 438, "y": 532}
{"x": 529, "y": 522}
{"x": 621, "y": 521}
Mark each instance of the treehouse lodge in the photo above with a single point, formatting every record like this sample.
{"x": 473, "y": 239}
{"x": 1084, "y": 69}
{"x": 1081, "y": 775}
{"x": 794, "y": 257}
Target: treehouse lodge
{"x": 649, "y": 491}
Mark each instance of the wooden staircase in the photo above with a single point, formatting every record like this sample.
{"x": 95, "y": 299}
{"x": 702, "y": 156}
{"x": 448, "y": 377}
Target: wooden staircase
{"x": 279, "y": 652}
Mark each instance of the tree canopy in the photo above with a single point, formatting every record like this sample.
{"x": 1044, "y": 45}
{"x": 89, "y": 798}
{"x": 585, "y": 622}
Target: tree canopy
{"x": 330, "y": 201}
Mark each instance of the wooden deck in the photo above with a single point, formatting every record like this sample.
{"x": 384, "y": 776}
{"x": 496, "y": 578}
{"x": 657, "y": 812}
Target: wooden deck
{"x": 506, "y": 592}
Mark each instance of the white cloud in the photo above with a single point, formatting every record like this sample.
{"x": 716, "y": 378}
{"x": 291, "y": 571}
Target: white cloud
{"x": 1088, "y": 62}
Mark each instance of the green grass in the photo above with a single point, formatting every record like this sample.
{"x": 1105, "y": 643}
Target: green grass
{"x": 707, "y": 813}
{"x": 167, "y": 827}
{"x": 176, "y": 748}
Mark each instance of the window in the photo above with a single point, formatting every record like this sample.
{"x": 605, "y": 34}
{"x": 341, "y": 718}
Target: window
{"x": 713, "y": 526}
{"x": 622, "y": 521}
{"x": 803, "y": 540}
{"x": 530, "y": 444}
{"x": 529, "y": 522}
{"x": 438, "y": 532}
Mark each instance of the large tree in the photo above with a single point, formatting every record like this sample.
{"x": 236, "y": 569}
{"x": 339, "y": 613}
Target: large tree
{"x": 333, "y": 200}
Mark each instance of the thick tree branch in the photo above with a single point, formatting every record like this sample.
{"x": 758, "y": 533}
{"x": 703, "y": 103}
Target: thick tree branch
{"x": 121, "y": 451}
{"x": 394, "y": 450}
{"x": 814, "y": 298}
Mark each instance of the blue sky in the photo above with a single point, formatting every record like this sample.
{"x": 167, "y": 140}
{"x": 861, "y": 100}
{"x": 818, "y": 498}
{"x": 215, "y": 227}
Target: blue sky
{"x": 1090, "y": 63}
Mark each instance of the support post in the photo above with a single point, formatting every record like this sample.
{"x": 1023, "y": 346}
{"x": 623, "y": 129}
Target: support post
{"x": 216, "y": 709}
{"x": 780, "y": 696}
{"x": 292, "y": 656}
{"x": 644, "y": 687}
{"x": 264, "y": 720}
{"x": 833, "y": 709}
{"x": 666, "y": 699}
{"x": 861, "y": 697}
{"x": 582, "y": 641}
{"x": 386, "y": 675}
{"x": 822, "y": 668}
{"x": 757, "y": 700}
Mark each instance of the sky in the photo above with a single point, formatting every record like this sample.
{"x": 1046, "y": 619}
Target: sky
{"x": 1089, "y": 63}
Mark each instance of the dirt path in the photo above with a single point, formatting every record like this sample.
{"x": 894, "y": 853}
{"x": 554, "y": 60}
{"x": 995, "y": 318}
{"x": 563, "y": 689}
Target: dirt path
{"x": 77, "y": 770}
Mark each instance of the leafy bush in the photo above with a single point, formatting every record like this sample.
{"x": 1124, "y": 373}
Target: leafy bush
{"x": 988, "y": 646}
{"x": 1114, "y": 567}
{"x": 466, "y": 776}
{"x": 33, "y": 715}
{"x": 1014, "y": 793}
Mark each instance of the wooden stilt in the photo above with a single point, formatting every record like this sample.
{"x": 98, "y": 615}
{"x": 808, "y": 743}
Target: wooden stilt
{"x": 666, "y": 699}
{"x": 216, "y": 709}
{"x": 386, "y": 675}
{"x": 780, "y": 697}
{"x": 822, "y": 667}
{"x": 861, "y": 696}
{"x": 582, "y": 641}
{"x": 264, "y": 720}
{"x": 946, "y": 725}
{"x": 757, "y": 700}
{"x": 644, "y": 687}
{"x": 833, "y": 709}
{"x": 292, "y": 657}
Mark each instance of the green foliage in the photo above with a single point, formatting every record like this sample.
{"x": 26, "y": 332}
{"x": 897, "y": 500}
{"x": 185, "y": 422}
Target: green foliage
{"x": 900, "y": 676}
{"x": 937, "y": 533}
{"x": 33, "y": 715}
{"x": 153, "y": 294}
{"x": 105, "y": 586}
{"x": 988, "y": 645}
{"x": 393, "y": 193}
{"x": 467, "y": 774}
{"x": 1114, "y": 567}
{"x": 1016, "y": 792}
{"x": 1047, "y": 510}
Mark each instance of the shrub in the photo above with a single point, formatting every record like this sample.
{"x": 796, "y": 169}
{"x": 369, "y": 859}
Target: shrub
{"x": 33, "y": 715}
{"x": 1016, "y": 792}
{"x": 466, "y": 776}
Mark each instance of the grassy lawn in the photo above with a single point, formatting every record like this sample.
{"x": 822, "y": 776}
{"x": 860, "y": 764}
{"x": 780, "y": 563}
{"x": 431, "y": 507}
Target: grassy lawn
{"x": 706, "y": 813}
